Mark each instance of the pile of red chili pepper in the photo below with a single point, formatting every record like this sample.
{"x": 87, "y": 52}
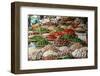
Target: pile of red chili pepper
{"x": 56, "y": 35}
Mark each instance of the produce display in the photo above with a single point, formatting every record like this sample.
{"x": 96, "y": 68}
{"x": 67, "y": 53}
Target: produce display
{"x": 41, "y": 30}
{"x": 57, "y": 37}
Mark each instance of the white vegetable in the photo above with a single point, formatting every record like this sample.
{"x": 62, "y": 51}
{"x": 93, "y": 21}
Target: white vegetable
{"x": 64, "y": 50}
{"x": 75, "y": 46}
{"x": 33, "y": 53}
{"x": 49, "y": 53}
{"x": 80, "y": 53}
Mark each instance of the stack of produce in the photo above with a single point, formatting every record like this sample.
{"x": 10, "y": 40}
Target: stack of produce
{"x": 75, "y": 46}
{"x": 80, "y": 53}
{"x": 34, "y": 54}
{"x": 50, "y": 47}
{"x": 60, "y": 42}
{"x": 57, "y": 37}
{"x": 40, "y": 41}
{"x": 52, "y": 52}
{"x": 41, "y": 30}
{"x": 50, "y": 55}
{"x": 64, "y": 53}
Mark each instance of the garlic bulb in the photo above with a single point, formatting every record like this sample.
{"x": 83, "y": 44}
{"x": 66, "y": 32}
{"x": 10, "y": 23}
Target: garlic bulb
{"x": 50, "y": 47}
{"x": 64, "y": 50}
{"x": 34, "y": 54}
{"x": 80, "y": 53}
{"x": 49, "y": 55}
{"x": 75, "y": 46}
{"x": 49, "y": 52}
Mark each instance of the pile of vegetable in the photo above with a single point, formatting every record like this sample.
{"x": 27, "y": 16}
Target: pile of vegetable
{"x": 40, "y": 41}
{"x": 57, "y": 37}
{"x": 41, "y": 30}
{"x": 60, "y": 38}
{"x": 71, "y": 38}
{"x": 67, "y": 34}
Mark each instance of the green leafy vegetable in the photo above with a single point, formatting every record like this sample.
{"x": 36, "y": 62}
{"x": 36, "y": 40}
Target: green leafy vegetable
{"x": 71, "y": 38}
{"x": 41, "y": 30}
{"x": 37, "y": 38}
{"x": 58, "y": 29}
{"x": 66, "y": 57}
{"x": 40, "y": 41}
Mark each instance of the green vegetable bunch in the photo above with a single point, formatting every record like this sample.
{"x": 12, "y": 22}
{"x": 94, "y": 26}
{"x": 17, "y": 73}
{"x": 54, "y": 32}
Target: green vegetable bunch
{"x": 41, "y": 30}
{"x": 40, "y": 41}
{"x": 65, "y": 57}
{"x": 36, "y": 38}
{"x": 58, "y": 29}
{"x": 71, "y": 38}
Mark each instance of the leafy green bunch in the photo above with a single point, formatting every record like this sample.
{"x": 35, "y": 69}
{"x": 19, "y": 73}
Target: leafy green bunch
{"x": 71, "y": 38}
{"x": 40, "y": 41}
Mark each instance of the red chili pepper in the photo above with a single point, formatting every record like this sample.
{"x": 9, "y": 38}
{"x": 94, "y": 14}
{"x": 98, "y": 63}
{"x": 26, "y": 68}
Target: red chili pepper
{"x": 57, "y": 33}
{"x": 51, "y": 37}
{"x": 69, "y": 31}
{"x": 54, "y": 35}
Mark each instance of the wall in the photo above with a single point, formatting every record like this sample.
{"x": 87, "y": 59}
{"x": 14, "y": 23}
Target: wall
{"x": 5, "y": 32}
